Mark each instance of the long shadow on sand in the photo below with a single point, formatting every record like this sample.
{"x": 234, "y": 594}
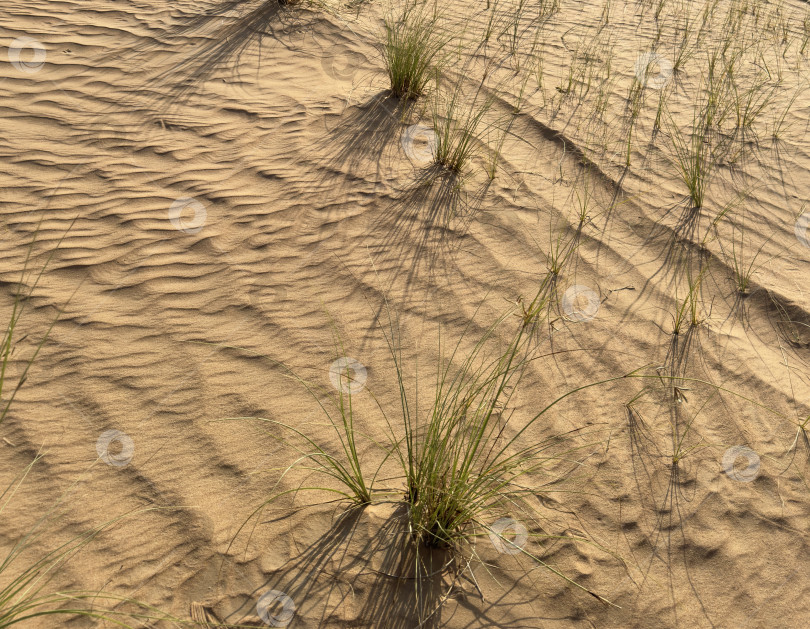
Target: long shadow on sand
{"x": 203, "y": 42}
{"x": 365, "y": 571}
{"x": 229, "y": 41}
{"x": 346, "y": 565}
{"x": 665, "y": 473}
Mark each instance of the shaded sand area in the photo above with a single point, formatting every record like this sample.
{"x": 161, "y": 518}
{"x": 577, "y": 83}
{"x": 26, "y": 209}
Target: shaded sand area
{"x": 226, "y": 186}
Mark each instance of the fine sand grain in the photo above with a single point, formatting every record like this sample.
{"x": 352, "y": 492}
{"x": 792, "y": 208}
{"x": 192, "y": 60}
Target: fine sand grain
{"x": 235, "y": 174}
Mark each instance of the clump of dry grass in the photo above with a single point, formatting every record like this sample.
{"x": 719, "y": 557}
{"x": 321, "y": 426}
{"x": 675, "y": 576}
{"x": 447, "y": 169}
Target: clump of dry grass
{"x": 458, "y": 125}
{"x": 412, "y": 47}
{"x": 461, "y": 460}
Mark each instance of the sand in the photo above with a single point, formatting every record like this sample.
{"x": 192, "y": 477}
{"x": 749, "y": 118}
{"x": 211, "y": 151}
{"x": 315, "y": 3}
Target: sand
{"x": 214, "y": 188}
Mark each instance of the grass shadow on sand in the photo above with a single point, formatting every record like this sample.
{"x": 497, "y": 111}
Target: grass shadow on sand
{"x": 366, "y": 554}
{"x": 419, "y": 232}
{"x": 365, "y": 570}
{"x": 665, "y": 475}
{"x": 228, "y": 41}
{"x": 362, "y": 135}
{"x": 203, "y": 42}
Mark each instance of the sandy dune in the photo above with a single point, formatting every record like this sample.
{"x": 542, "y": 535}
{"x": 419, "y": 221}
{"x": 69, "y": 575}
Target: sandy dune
{"x": 216, "y": 187}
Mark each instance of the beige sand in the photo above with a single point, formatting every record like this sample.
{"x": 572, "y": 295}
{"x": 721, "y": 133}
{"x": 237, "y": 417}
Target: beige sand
{"x": 295, "y": 155}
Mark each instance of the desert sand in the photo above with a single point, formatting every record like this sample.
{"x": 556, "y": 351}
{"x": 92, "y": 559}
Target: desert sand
{"x": 226, "y": 186}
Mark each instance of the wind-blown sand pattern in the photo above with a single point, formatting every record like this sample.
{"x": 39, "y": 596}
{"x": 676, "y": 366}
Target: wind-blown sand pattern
{"x": 220, "y": 182}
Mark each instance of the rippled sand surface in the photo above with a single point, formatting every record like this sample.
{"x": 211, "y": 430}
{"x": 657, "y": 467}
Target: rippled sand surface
{"x": 226, "y": 186}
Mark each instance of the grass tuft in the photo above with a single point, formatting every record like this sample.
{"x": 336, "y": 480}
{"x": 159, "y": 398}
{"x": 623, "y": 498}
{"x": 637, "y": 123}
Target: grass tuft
{"x": 457, "y": 127}
{"x": 412, "y": 49}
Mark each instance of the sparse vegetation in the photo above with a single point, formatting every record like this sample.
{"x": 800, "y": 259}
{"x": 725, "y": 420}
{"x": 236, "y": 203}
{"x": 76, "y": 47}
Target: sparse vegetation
{"x": 458, "y": 123}
{"x": 414, "y": 41}
{"x": 624, "y": 152}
